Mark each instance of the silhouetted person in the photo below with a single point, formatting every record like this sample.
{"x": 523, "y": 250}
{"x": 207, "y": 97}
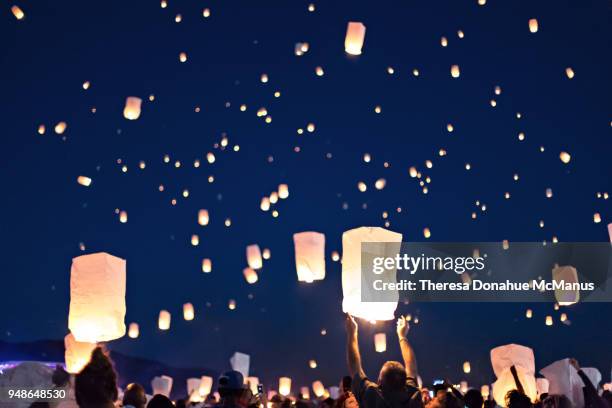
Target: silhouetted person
{"x": 232, "y": 390}
{"x": 96, "y": 385}
{"x": 473, "y": 399}
{"x": 160, "y": 401}
{"x": 445, "y": 399}
{"x": 516, "y": 399}
{"x": 557, "y": 401}
{"x": 591, "y": 398}
{"x": 134, "y": 396}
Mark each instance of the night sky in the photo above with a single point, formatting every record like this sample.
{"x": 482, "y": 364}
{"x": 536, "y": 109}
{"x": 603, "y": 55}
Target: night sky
{"x": 131, "y": 48}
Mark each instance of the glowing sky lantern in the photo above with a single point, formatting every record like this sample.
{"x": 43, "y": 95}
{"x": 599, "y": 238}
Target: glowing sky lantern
{"x": 284, "y": 386}
{"x": 273, "y": 197}
{"x": 253, "y": 255}
{"x": 318, "y": 389}
{"x": 563, "y": 379}
{"x": 528, "y": 313}
{"x": 455, "y": 72}
{"x": 17, "y": 12}
{"x": 533, "y": 25}
{"x": 206, "y": 265}
{"x": 203, "y": 218}
{"x": 484, "y": 391}
{"x": 283, "y": 191}
{"x": 133, "y": 330}
{"x": 123, "y": 216}
{"x": 131, "y": 111}
{"x": 568, "y": 274}
{"x": 231, "y": 304}
{"x": 250, "y": 275}
{"x": 195, "y": 240}
{"x": 502, "y": 359}
{"x": 253, "y": 382}
{"x": 77, "y": 354}
{"x": 84, "y": 181}
{"x": 265, "y": 204}
{"x": 569, "y": 72}
{"x": 183, "y": 57}
{"x": 60, "y": 127}
{"x": 193, "y": 384}
{"x": 266, "y": 254}
{"x": 241, "y": 362}
{"x": 467, "y": 367}
{"x": 351, "y": 271}
{"x": 305, "y": 392}
{"x": 162, "y": 385}
{"x": 97, "y": 297}
{"x": 565, "y": 157}
{"x": 163, "y": 322}
{"x": 188, "y": 312}
{"x": 355, "y": 35}
{"x": 205, "y": 386}
{"x": 548, "y": 321}
{"x": 380, "y": 342}
{"x": 309, "y": 255}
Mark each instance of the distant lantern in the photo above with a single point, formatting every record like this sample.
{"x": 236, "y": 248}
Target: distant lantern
{"x": 309, "y": 255}
{"x": 17, "y": 12}
{"x": 484, "y": 391}
{"x": 319, "y": 71}
{"x": 312, "y": 364}
{"x": 528, "y": 313}
{"x": 123, "y": 217}
{"x": 273, "y": 197}
{"x": 253, "y": 255}
{"x": 205, "y": 387}
{"x": 549, "y": 321}
{"x": 455, "y": 71}
{"x": 596, "y": 218}
{"x": 380, "y": 342}
{"x": 355, "y": 35}
{"x": 231, "y": 304}
{"x": 335, "y": 256}
{"x": 443, "y": 41}
{"x": 133, "y": 331}
{"x": 569, "y": 276}
{"x": 206, "y": 13}
{"x": 264, "y": 78}
{"x": 563, "y": 317}
{"x": 284, "y": 386}
{"x": 565, "y": 157}
{"x": 318, "y": 389}
{"x": 283, "y": 191}
{"x": 549, "y": 193}
{"x": 84, "y": 181}
{"x": 210, "y": 157}
{"x": 77, "y": 354}
{"x": 41, "y": 129}
{"x": 250, "y": 275}
{"x": 413, "y": 172}
{"x": 60, "y": 128}
{"x": 467, "y": 368}
{"x": 569, "y": 72}
{"x": 361, "y": 186}
{"x": 188, "y": 313}
{"x": 203, "y": 217}
{"x": 97, "y": 298}
{"x": 162, "y": 385}
{"x": 195, "y": 240}
{"x": 264, "y": 205}
{"x": 163, "y": 322}
{"x": 183, "y": 57}
{"x": 381, "y": 243}
{"x": 380, "y": 183}
{"x": 131, "y": 111}
{"x": 193, "y": 384}
{"x": 426, "y": 233}
{"x": 266, "y": 254}
{"x": 206, "y": 265}
{"x": 305, "y": 391}
{"x": 533, "y": 25}
{"x": 253, "y": 382}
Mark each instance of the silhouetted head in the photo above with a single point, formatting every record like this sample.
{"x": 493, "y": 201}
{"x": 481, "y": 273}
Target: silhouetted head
{"x": 444, "y": 399}
{"x": 392, "y": 376}
{"x": 135, "y": 396}
{"x": 160, "y": 401}
{"x": 96, "y": 385}
{"x": 516, "y": 399}
{"x": 557, "y": 401}
{"x": 473, "y": 399}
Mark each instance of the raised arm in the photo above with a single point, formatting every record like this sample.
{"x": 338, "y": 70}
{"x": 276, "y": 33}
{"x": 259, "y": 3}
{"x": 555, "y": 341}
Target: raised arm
{"x": 353, "y": 357}
{"x": 407, "y": 352}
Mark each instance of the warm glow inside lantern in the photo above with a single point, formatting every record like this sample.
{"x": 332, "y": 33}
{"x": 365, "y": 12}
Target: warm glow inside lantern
{"x": 318, "y": 389}
{"x": 206, "y": 265}
{"x": 131, "y": 111}
{"x": 77, "y": 353}
{"x": 162, "y": 385}
{"x": 309, "y": 256}
{"x": 502, "y": 359}
{"x": 253, "y": 254}
{"x": 355, "y": 35}
{"x": 455, "y": 72}
{"x": 283, "y": 191}
{"x": 250, "y": 275}
{"x": 380, "y": 342}
{"x": 97, "y": 298}
{"x": 533, "y": 25}
{"x": 203, "y": 217}
{"x": 305, "y": 392}
{"x": 253, "y": 382}
{"x": 568, "y": 274}
{"x": 133, "y": 330}
{"x": 205, "y": 387}
{"x": 193, "y": 384}
{"x": 84, "y": 181}
{"x": 164, "y": 320}
{"x": 284, "y": 386}
{"x": 467, "y": 367}
{"x": 188, "y": 312}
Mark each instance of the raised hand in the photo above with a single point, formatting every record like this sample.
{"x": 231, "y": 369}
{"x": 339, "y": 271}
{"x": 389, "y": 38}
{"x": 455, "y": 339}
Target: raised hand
{"x": 402, "y": 327}
{"x": 351, "y": 325}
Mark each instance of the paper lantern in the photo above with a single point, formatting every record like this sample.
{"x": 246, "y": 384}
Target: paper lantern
{"x": 183, "y": 57}
{"x": 162, "y": 385}
{"x": 240, "y": 362}
{"x": 97, "y": 298}
{"x": 335, "y": 256}
{"x": 305, "y": 392}
{"x": 250, "y": 275}
{"x": 380, "y": 342}
{"x": 84, "y": 181}
{"x": 17, "y": 12}
{"x": 351, "y": 271}
{"x": 563, "y": 317}
{"x": 334, "y": 392}
{"x": 484, "y": 391}
{"x": 565, "y": 157}
{"x": 205, "y": 386}
{"x": 163, "y": 322}
{"x": 203, "y": 217}
{"x": 133, "y": 330}
{"x": 596, "y": 218}
{"x": 123, "y": 216}
{"x": 41, "y": 129}
{"x": 312, "y": 364}
{"x": 467, "y": 367}
{"x": 231, "y": 305}
{"x": 253, "y": 382}
{"x": 593, "y": 374}
{"x": 463, "y": 386}
{"x": 273, "y": 197}
{"x": 318, "y": 389}
{"x": 533, "y": 25}
{"x": 193, "y": 384}
{"x": 610, "y": 232}
{"x": 60, "y": 128}
{"x": 549, "y": 193}
{"x": 542, "y": 385}
{"x": 528, "y": 313}
{"x": 549, "y": 321}
{"x": 284, "y": 386}
{"x": 569, "y": 275}
{"x": 206, "y": 265}
{"x": 188, "y": 312}
{"x": 131, "y": 111}
{"x": 253, "y": 255}
{"x": 563, "y": 379}
{"x": 195, "y": 240}
{"x": 569, "y": 72}
{"x": 265, "y": 204}
{"x": 355, "y": 35}
{"x": 502, "y": 359}
{"x": 309, "y": 256}
{"x": 77, "y": 353}
{"x": 266, "y": 254}
{"x": 283, "y": 191}
{"x": 455, "y": 72}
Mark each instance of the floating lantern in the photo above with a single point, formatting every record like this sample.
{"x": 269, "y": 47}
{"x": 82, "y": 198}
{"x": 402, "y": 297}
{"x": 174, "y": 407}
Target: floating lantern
{"x": 253, "y": 255}
{"x": 443, "y": 41}
{"x": 231, "y": 305}
{"x": 305, "y": 392}
{"x": 205, "y": 387}
{"x": 309, "y": 256}
{"x": 312, "y": 364}
{"x": 163, "y": 322}
{"x": 206, "y": 13}
{"x": 563, "y": 317}
{"x": 549, "y": 321}
{"x": 596, "y": 218}
{"x": 380, "y": 342}
{"x": 265, "y": 204}
{"x": 484, "y": 391}
{"x": 319, "y": 71}
{"x": 77, "y": 353}
{"x": 240, "y": 362}
{"x": 569, "y": 72}
{"x": 426, "y": 232}
{"x": 193, "y": 384}
{"x": 502, "y": 359}
{"x": 41, "y": 129}
{"x": 455, "y": 72}
{"x": 533, "y": 25}
{"x": 60, "y": 128}
{"x": 565, "y": 157}
{"x": 250, "y": 275}
{"x": 351, "y": 271}
{"x": 549, "y": 193}
{"x": 195, "y": 240}
{"x": 188, "y": 313}
{"x": 528, "y": 314}
{"x": 335, "y": 256}
{"x": 413, "y": 172}
{"x": 463, "y": 386}
{"x": 183, "y": 57}
{"x": 97, "y": 298}
{"x": 84, "y": 181}
{"x": 253, "y": 382}
{"x": 206, "y": 265}
{"x": 318, "y": 389}
{"x": 203, "y": 217}
{"x": 569, "y": 275}
{"x": 283, "y": 191}
{"x": 361, "y": 186}
{"x": 162, "y": 385}
{"x": 264, "y": 78}
{"x": 563, "y": 379}
{"x": 17, "y": 12}
{"x": 266, "y": 254}
{"x": 123, "y": 217}
{"x": 355, "y": 35}
{"x": 467, "y": 367}
{"x": 131, "y": 111}
{"x": 380, "y": 183}
{"x": 133, "y": 330}
{"x": 284, "y": 386}
{"x": 274, "y": 197}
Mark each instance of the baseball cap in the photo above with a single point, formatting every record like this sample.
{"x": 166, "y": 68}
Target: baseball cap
{"x": 231, "y": 380}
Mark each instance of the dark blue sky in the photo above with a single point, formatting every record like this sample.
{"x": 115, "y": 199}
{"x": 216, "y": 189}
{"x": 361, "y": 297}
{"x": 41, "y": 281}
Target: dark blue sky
{"x": 132, "y": 48}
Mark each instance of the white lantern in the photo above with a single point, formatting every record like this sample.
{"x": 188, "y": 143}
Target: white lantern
{"x": 206, "y": 265}
{"x": 593, "y": 374}
{"x": 502, "y": 359}
{"x": 484, "y": 391}
{"x": 455, "y": 72}
{"x": 334, "y": 392}
{"x": 309, "y": 256}
{"x": 542, "y": 385}
{"x": 283, "y": 191}
{"x": 162, "y": 385}
{"x": 305, "y": 391}
{"x": 164, "y": 320}
{"x": 351, "y": 271}
{"x": 284, "y": 386}
{"x": 569, "y": 275}
{"x": 318, "y": 389}
{"x": 467, "y": 367}
{"x": 77, "y": 353}
{"x": 563, "y": 379}
{"x": 205, "y": 387}
{"x": 355, "y": 34}
{"x": 380, "y": 342}
{"x": 188, "y": 312}
{"x": 250, "y": 275}
{"x": 133, "y": 330}
{"x": 253, "y": 254}
{"x": 203, "y": 217}
{"x": 132, "y": 108}
{"x": 240, "y": 362}
{"x": 193, "y": 384}
{"x": 463, "y": 386}
{"x": 253, "y": 382}
{"x": 97, "y": 298}
{"x": 533, "y": 25}
{"x": 84, "y": 181}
